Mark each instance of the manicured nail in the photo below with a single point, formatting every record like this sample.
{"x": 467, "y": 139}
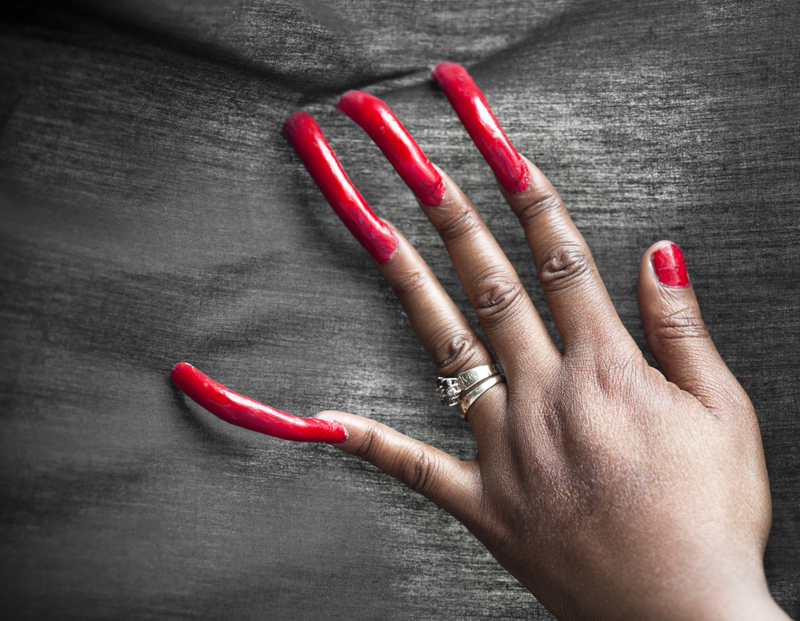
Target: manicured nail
{"x": 375, "y": 117}
{"x": 303, "y": 133}
{"x": 669, "y": 266}
{"x": 473, "y": 110}
{"x": 245, "y": 412}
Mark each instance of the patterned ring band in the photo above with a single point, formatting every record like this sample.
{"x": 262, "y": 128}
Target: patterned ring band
{"x": 472, "y": 396}
{"x": 452, "y": 389}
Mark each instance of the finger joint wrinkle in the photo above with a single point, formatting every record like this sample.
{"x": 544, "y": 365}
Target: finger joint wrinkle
{"x": 566, "y": 267}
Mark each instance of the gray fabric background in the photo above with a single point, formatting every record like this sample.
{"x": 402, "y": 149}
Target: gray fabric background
{"x": 151, "y": 212}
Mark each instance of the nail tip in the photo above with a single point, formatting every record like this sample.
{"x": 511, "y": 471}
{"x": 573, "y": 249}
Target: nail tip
{"x": 447, "y": 64}
{"x": 178, "y": 369}
{"x": 295, "y": 119}
{"x": 436, "y": 72}
{"x": 448, "y": 71}
{"x": 349, "y": 102}
{"x": 344, "y": 99}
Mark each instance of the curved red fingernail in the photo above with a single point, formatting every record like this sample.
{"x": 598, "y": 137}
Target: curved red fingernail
{"x": 308, "y": 141}
{"x": 244, "y": 412}
{"x": 473, "y": 110}
{"x": 670, "y": 267}
{"x": 375, "y": 117}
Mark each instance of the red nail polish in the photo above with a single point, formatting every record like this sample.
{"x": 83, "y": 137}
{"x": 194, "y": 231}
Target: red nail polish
{"x": 303, "y": 133}
{"x": 473, "y": 110}
{"x": 244, "y": 412}
{"x": 375, "y": 117}
{"x": 669, "y": 266}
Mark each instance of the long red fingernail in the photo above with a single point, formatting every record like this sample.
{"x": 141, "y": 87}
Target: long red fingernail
{"x": 375, "y": 117}
{"x": 669, "y": 266}
{"x": 303, "y": 133}
{"x": 244, "y": 412}
{"x": 471, "y": 107}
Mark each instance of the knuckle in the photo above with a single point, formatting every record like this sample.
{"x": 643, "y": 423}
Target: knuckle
{"x": 679, "y": 324}
{"x": 620, "y": 372}
{"x": 460, "y": 224}
{"x": 418, "y": 470}
{"x": 410, "y": 283}
{"x": 738, "y": 398}
{"x": 497, "y": 296}
{"x": 546, "y": 205}
{"x": 454, "y": 352}
{"x": 567, "y": 266}
{"x": 739, "y": 403}
{"x": 370, "y": 444}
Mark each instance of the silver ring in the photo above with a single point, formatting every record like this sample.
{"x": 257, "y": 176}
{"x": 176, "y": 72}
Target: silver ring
{"x": 472, "y": 396}
{"x": 452, "y": 389}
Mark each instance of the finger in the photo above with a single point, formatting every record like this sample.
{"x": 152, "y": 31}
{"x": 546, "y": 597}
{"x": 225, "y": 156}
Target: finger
{"x": 245, "y": 412}
{"x": 502, "y": 305}
{"x": 449, "y": 340}
{"x": 305, "y": 136}
{"x": 452, "y": 484}
{"x": 580, "y": 305}
{"x": 676, "y": 333}
{"x": 506, "y": 312}
{"x": 444, "y": 332}
{"x": 578, "y": 300}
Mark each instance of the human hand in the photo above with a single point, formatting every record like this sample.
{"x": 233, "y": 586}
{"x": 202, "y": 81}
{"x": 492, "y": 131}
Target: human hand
{"x": 607, "y": 488}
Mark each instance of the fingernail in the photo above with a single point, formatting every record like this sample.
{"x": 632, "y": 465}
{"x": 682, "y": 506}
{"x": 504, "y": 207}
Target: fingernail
{"x": 245, "y": 412}
{"x": 669, "y": 266}
{"x": 375, "y": 117}
{"x": 308, "y": 141}
{"x": 473, "y": 110}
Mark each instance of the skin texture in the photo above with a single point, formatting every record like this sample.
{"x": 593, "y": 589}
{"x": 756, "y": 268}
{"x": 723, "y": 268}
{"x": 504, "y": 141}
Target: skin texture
{"x": 305, "y": 136}
{"x": 397, "y": 145}
{"x": 244, "y": 412}
{"x": 610, "y": 489}
{"x": 476, "y": 115}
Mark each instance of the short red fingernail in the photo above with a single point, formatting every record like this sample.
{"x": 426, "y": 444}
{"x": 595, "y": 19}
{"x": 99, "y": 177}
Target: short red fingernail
{"x": 375, "y": 117}
{"x": 307, "y": 139}
{"x": 669, "y": 266}
{"x": 473, "y": 110}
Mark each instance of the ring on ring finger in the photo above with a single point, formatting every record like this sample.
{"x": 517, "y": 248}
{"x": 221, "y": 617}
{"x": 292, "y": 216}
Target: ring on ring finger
{"x": 465, "y": 389}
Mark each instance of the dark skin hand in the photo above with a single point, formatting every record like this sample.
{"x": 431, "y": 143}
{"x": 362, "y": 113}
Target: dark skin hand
{"x": 610, "y": 489}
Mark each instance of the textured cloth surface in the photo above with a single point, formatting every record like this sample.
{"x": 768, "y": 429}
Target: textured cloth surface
{"x": 151, "y": 212}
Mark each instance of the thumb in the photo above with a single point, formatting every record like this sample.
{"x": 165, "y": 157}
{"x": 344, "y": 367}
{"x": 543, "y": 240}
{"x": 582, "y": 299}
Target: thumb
{"x": 452, "y": 484}
{"x": 676, "y": 333}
